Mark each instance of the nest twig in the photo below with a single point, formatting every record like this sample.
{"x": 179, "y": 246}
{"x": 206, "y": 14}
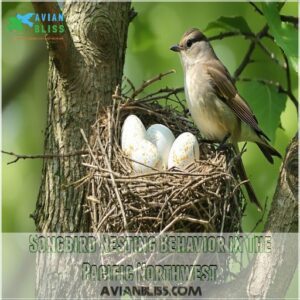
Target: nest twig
{"x": 206, "y": 197}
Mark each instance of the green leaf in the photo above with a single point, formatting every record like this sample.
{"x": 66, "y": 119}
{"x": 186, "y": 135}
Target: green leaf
{"x": 236, "y": 24}
{"x": 285, "y": 35}
{"x": 266, "y": 103}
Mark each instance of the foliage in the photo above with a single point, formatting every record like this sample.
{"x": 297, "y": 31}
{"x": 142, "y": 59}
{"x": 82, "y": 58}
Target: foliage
{"x": 237, "y": 24}
{"x": 267, "y": 103}
{"x": 285, "y": 34}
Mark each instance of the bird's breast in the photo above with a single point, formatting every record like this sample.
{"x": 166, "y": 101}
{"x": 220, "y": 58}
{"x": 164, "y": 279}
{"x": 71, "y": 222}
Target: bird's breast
{"x": 211, "y": 115}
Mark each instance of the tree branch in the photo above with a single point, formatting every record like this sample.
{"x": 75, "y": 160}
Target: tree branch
{"x": 270, "y": 54}
{"x": 246, "y": 35}
{"x": 149, "y": 82}
{"x": 60, "y": 44}
{"x": 290, "y": 19}
{"x": 247, "y": 58}
{"x": 245, "y": 61}
{"x": 259, "y": 11}
{"x": 277, "y": 85}
{"x": 41, "y": 156}
{"x": 223, "y": 35}
{"x": 288, "y": 81}
{"x": 132, "y": 14}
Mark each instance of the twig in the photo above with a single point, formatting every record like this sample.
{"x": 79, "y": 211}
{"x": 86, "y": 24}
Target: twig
{"x": 157, "y": 173}
{"x": 110, "y": 173}
{"x": 256, "y": 8}
{"x": 185, "y": 218}
{"x": 270, "y": 54}
{"x": 277, "y": 85}
{"x": 132, "y": 14}
{"x": 288, "y": 74}
{"x": 267, "y": 82}
{"x": 113, "y": 183}
{"x": 286, "y": 66}
{"x": 245, "y": 61}
{"x": 130, "y": 84}
{"x": 93, "y": 199}
{"x": 288, "y": 81}
{"x": 223, "y": 35}
{"x": 166, "y": 92}
{"x": 262, "y": 216}
{"x": 290, "y": 19}
{"x": 41, "y": 156}
{"x": 150, "y": 81}
{"x": 247, "y": 58}
{"x": 105, "y": 217}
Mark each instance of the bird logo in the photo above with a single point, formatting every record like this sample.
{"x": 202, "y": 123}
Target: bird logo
{"x": 25, "y": 19}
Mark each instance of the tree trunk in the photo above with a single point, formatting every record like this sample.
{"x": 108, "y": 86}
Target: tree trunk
{"x": 84, "y": 70}
{"x": 283, "y": 216}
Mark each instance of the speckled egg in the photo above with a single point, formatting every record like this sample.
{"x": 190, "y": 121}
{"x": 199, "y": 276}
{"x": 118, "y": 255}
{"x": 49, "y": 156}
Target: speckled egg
{"x": 144, "y": 154}
{"x": 163, "y": 138}
{"x": 133, "y": 130}
{"x": 184, "y": 151}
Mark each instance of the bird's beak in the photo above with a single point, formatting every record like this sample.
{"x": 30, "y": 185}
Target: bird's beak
{"x": 176, "y": 48}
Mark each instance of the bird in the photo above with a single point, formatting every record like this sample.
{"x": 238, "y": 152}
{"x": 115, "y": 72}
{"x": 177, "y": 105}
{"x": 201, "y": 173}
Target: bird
{"x": 25, "y": 19}
{"x": 218, "y": 110}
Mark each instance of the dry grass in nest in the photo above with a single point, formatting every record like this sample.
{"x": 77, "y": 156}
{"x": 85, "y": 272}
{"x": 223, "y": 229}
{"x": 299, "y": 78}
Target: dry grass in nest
{"x": 206, "y": 197}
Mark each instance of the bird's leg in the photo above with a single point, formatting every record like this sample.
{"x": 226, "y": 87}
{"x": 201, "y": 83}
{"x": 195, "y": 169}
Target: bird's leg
{"x": 223, "y": 145}
{"x": 186, "y": 112}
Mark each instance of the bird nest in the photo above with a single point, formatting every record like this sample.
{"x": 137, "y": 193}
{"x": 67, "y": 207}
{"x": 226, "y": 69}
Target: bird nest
{"x": 205, "y": 197}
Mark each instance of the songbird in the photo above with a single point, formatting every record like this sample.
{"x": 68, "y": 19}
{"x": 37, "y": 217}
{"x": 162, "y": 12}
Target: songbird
{"x": 216, "y": 107}
{"x": 25, "y": 19}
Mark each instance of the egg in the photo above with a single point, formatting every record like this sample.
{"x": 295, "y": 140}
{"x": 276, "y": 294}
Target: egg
{"x": 133, "y": 130}
{"x": 144, "y": 154}
{"x": 162, "y": 137}
{"x": 184, "y": 151}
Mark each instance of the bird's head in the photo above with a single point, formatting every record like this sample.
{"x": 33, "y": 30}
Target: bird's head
{"x": 192, "y": 46}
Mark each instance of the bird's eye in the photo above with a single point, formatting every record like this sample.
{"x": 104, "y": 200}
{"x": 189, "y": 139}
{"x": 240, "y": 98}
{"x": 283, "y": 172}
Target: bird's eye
{"x": 189, "y": 43}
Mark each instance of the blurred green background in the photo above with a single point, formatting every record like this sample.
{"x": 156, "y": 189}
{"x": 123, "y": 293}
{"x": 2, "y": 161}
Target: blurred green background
{"x": 153, "y": 31}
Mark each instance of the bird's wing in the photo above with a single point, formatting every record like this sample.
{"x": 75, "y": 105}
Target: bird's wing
{"x": 226, "y": 91}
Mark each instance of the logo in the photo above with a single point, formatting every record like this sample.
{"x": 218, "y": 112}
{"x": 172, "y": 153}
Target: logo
{"x": 34, "y": 24}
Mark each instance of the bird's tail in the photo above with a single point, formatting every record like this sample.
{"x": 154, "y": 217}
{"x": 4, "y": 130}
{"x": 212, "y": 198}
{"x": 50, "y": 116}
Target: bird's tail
{"x": 243, "y": 177}
{"x": 268, "y": 151}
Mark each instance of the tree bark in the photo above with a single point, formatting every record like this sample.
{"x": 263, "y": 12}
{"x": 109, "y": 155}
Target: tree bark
{"x": 271, "y": 277}
{"x": 283, "y": 216}
{"x": 84, "y": 70}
